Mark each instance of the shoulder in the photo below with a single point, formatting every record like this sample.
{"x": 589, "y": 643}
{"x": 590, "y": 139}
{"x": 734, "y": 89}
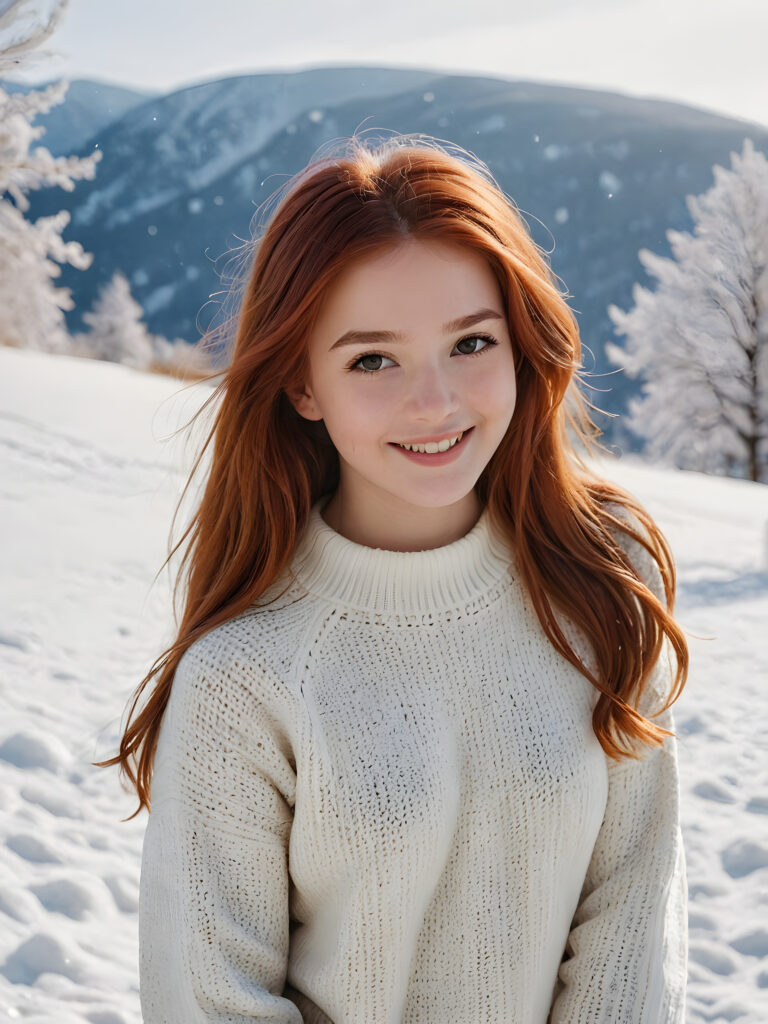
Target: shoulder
{"x": 268, "y": 633}
{"x": 246, "y": 660}
{"x": 229, "y": 721}
{"x": 220, "y": 674}
{"x": 222, "y": 649}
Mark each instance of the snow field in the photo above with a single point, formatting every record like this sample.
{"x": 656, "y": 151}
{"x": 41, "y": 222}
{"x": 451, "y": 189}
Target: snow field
{"x": 87, "y": 492}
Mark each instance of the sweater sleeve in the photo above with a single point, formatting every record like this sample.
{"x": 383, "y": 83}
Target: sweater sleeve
{"x": 627, "y": 950}
{"x": 213, "y": 906}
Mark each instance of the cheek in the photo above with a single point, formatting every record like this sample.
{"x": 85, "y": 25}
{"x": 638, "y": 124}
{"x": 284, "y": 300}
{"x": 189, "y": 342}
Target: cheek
{"x": 357, "y": 415}
{"x": 494, "y": 391}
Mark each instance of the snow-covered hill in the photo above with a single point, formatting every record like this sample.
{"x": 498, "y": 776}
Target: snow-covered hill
{"x": 87, "y": 491}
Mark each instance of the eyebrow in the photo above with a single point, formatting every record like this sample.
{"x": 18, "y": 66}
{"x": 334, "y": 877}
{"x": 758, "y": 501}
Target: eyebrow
{"x": 384, "y": 337}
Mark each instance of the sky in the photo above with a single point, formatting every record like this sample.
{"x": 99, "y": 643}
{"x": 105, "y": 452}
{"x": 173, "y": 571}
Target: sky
{"x": 706, "y": 53}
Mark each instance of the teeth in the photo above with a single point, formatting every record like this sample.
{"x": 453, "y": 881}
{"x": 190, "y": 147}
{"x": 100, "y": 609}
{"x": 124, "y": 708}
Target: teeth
{"x": 434, "y": 446}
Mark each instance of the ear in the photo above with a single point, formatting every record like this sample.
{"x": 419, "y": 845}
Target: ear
{"x": 304, "y": 403}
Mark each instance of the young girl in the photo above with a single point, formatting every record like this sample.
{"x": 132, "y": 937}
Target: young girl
{"x": 412, "y": 754}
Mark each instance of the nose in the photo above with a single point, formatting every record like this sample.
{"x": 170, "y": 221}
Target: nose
{"x": 432, "y": 396}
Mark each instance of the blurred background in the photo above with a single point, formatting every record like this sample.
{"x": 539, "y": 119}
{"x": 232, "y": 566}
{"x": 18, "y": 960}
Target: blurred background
{"x": 138, "y": 143}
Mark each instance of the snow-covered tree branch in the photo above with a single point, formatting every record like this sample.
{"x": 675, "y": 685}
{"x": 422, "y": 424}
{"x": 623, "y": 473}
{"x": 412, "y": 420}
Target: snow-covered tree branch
{"x": 20, "y": 40}
{"x": 31, "y": 307}
{"x": 700, "y": 340}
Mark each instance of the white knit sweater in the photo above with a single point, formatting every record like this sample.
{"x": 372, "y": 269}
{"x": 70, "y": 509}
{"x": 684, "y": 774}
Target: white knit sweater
{"x": 380, "y": 800}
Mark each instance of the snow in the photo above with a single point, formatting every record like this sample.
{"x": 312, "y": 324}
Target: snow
{"x": 554, "y": 151}
{"x": 160, "y": 297}
{"x": 89, "y": 480}
{"x": 609, "y": 182}
{"x": 491, "y": 124}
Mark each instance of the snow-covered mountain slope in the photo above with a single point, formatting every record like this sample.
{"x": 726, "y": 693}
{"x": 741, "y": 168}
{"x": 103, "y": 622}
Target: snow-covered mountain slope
{"x": 599, "y": 175}
{"x": 87, "y": 491}
{"x": 88, "y": 108}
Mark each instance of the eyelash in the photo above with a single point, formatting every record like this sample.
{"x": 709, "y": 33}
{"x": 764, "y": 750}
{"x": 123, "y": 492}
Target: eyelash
{"x": 372, "y": 373}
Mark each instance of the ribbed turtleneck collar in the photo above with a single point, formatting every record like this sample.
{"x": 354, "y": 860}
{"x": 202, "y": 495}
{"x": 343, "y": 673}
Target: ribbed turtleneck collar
{"x": 376, "y": 579}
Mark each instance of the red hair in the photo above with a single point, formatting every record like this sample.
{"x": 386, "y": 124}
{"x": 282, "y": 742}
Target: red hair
{"x": 269, "y": 465}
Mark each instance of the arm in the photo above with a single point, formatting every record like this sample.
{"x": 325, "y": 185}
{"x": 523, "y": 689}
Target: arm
{"x": 628, "y": 943}
{"x": 213, "y": 907}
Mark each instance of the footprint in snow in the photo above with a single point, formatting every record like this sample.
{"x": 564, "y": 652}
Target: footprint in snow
{"x": 40, "y": 954}
{"x": 18, "y": 904}
{"x": 55, "y": 803}
{"x": 31, "y": 749}
{"x": 31, "y": 848}
{"x": 713, "y": 958}
{"x": 743, "y": 857}
{"x": 711, "y": 790}
{"x": 71, "y": 897}
{"x": 754, "y": 943}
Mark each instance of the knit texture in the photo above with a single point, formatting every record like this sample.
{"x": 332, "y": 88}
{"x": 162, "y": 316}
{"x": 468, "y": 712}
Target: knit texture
{"x": 379, "y": 799}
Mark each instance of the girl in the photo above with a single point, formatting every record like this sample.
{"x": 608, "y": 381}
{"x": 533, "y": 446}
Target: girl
{"x": 412, "y": 753}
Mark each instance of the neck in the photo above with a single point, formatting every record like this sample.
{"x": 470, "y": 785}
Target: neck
{"x": 393, "y": 527}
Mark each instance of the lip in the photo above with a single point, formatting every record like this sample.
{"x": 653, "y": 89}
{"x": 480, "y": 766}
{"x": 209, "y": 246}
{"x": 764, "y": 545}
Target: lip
{"x": 442, "y": 437}
{"x": 438, "y": 458}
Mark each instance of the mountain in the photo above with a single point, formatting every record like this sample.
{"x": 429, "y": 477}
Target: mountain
{"x": 597, "y": 175}
{"x": 88, "y": 108}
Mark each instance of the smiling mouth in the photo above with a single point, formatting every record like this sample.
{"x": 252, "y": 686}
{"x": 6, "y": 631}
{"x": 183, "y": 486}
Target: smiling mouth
{"x": 462, "y": 435}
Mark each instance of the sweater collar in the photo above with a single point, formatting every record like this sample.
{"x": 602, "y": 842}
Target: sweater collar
{"x": 379, "y": 580}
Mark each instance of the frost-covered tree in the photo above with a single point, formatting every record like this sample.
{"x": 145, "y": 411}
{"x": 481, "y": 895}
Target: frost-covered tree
{"x": 118, "y": 335}
{"x": 117, "y": 332}
{"x": 700, "y": 340}
{"x": 31, "y": 306}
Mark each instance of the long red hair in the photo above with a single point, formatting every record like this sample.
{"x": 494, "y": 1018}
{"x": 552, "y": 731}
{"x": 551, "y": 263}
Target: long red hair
{"x": 269, "y": 465}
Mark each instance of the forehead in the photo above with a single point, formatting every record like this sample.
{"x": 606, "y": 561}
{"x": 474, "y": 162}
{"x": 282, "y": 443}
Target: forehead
{"x": 413, "y": 283}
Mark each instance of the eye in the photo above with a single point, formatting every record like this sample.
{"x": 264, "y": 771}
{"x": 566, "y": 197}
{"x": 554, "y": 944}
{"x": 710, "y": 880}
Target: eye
{"x": 478, "y": 337}
{"x": 367, "y": 369}
{"x": 372, "y": 371}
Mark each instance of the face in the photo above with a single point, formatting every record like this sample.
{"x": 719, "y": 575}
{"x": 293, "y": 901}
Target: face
{"x": 438, "y": 377}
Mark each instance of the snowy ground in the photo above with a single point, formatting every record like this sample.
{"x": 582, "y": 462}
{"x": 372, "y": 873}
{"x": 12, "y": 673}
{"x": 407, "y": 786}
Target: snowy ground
{"x": 87, "y": 491}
